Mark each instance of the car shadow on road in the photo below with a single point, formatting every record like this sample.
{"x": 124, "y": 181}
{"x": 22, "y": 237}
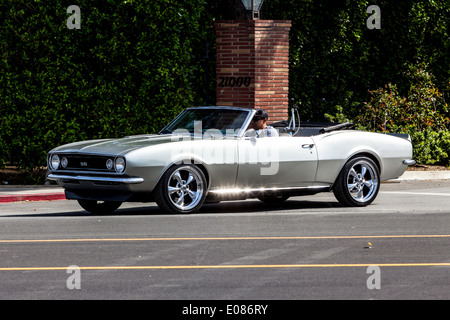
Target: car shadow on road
{"x": 258, "y": 206}
{"x": 230, "y": 207}
{"x": 224, "y": 207}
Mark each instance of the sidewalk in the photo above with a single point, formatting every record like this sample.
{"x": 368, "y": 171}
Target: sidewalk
{"x": 12, "y": 193}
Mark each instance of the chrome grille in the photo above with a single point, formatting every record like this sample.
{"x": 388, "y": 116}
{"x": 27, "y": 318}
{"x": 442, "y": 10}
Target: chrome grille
{"x": 82, "y": 162}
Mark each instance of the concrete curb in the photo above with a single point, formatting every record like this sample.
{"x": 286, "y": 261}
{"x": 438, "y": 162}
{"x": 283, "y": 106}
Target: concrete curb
{"x": 30, "y": 193}
{"x": 425, "y": 175}
{"x": 52, "y": 193}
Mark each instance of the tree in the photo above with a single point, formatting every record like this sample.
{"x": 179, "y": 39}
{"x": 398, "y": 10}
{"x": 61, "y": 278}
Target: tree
{"x": 335, "y": 59}
{"x": 423, "y": 114}
{"x": 129, "y": 69}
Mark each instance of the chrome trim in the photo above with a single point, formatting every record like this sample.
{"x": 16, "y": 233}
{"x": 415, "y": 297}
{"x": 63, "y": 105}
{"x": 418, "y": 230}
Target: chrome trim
{"x": 248, "y": 190}
{"x": 130, "y": 180}
{"x": 409, "y": 162}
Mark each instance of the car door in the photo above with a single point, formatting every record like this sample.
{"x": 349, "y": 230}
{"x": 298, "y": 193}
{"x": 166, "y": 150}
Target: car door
{"x": 276, "y": 162}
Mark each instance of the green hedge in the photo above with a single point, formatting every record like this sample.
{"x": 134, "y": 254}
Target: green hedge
{"x": 423, "y": 114}
{"x": 336, "y": 60}
{"x": 131, "y": 67}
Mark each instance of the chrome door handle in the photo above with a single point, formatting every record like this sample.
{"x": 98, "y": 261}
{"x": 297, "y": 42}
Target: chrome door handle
{"x": 308, "y": 146}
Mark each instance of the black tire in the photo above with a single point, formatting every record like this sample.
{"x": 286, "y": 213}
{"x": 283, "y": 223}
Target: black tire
{"x": 181, "y": 190}
{"x": 358, "y": 183}
{"x": 273, "y": 199}
{"x": 94, "y": 206}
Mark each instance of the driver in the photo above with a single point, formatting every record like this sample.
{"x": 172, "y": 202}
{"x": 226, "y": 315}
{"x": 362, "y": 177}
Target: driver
{"x": 259, "y": 124}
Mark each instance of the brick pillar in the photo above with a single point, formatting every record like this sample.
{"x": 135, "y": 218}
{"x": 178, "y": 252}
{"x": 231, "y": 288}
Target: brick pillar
{"x": 252, "y": 65}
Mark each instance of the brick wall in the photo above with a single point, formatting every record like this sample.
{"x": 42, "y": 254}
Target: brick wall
{"x": 252, "y": 65}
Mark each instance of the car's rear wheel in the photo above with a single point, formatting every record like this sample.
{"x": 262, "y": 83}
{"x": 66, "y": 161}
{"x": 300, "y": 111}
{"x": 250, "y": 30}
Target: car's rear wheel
{"x": 182, "y": 189}
{"x": 94, "y": 206}
{"x": 358, "y": 183}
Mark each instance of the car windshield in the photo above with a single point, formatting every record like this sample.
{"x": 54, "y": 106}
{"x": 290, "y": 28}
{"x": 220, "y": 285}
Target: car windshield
{"x": 224, "y": 120}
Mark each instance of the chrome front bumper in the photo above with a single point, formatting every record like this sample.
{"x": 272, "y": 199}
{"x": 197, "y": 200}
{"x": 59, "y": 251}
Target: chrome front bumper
{"x": 125, "y": 180}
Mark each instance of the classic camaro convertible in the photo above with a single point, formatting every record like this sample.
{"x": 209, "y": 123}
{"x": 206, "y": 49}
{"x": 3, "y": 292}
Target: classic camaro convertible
{"x": 207, "y": 154}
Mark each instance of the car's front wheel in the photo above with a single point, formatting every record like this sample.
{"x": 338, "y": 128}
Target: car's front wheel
{"x": 182, "y": 189}
{"x": 94, "y": 206}
{"x": 358, "y": 183}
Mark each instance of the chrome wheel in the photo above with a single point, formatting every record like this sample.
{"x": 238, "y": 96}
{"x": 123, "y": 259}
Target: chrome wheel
{"x": 182, "y": 189}
{"x": 185, "y": 188}
{"x": 362, "y": 181}
{"x": 358, "y": 182}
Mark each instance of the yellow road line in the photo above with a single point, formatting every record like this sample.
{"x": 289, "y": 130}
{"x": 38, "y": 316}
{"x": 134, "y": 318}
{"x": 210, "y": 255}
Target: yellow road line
{"x": 225, "y": 238}
{"x": 268, "y": 266}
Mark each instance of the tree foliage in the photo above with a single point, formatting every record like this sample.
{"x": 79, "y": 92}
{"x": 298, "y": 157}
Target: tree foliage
{"x": 336, "y": 59}
{"x": 423, "y": 114}
{"x": 129, "y": 69}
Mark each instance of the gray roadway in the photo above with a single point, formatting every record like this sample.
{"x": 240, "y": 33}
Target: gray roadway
{"x": 309, "y": 248}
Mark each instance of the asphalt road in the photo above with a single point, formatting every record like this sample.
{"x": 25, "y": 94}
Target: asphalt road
{"x": 308, "y": 248}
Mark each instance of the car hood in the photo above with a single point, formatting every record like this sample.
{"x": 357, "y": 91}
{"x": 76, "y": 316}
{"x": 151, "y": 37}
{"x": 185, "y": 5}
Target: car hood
{"x": 115, "y": 146}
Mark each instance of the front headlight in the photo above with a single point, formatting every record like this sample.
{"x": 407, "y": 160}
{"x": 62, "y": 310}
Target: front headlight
{"x": 119, "y": 164}
{"x": 109, "y": 164}
{"x": 64, "y": 162}
{"x": 54, "y": 162}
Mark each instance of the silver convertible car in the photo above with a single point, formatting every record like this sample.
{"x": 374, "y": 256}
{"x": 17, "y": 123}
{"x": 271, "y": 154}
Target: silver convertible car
{"x": 208, "y": 154}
